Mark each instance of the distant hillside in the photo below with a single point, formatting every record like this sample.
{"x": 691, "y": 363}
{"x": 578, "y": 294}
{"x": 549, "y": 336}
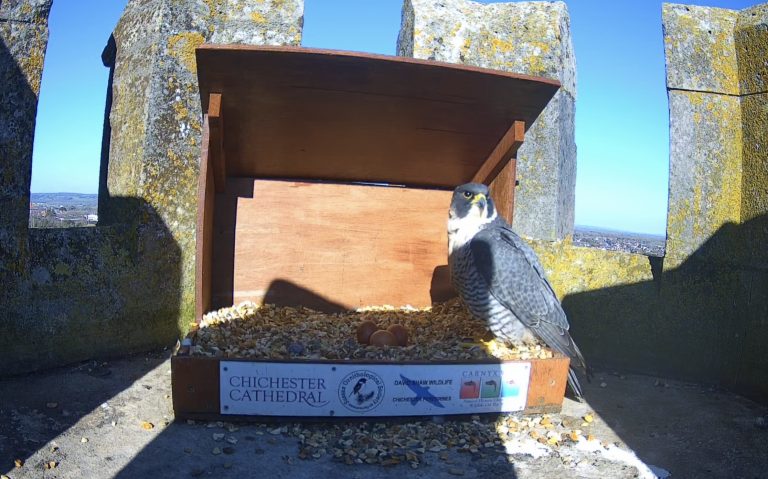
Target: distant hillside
{"x": 66, "y": 199}
{"x": 603, "y": 238}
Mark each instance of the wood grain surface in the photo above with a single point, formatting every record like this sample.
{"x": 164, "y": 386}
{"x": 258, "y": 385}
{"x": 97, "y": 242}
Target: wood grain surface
{"x": 346, "y": 245}
{"x": 315, "y": 114}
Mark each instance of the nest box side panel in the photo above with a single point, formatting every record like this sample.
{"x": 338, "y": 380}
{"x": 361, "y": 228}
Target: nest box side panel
{"x": 329, "y": 246}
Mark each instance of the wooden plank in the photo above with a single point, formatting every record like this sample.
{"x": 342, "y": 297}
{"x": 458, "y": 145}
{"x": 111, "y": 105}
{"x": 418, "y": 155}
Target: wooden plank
{"x": 316, "y": 114}
{"x": 505, "y": 150}
{"x": 329, "y": 246}
{"x": 217, "y": 153}
{"x": 204, "y": 228}
{"x": 503, "y": 190}
{"x": 195, "y": 386}
{"x": 547, "y": 386}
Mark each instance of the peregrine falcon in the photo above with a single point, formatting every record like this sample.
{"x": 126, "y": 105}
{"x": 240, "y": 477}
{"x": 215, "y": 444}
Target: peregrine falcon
{"x": 501, "y": 280}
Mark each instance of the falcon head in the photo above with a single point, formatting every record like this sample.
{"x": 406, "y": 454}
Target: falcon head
{"x": 472, "y": 202}
{"x": 471, "y": 209}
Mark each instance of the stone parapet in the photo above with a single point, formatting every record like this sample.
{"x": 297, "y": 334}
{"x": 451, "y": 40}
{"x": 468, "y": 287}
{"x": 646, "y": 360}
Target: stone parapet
{"x": 128, "y": 284}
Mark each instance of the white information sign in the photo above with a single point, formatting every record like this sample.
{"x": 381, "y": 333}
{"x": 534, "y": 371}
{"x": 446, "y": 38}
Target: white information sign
{"x": 318, "y": 389}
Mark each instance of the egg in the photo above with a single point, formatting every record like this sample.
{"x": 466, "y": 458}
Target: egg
{"x": 383, "y": 338}
{"x": 400, "y": 332}
{"x": 365, "y": 330}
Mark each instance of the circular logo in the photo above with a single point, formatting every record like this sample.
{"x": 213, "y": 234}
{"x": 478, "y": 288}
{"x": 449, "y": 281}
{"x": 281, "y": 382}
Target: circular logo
{"x": 361, "y": 390}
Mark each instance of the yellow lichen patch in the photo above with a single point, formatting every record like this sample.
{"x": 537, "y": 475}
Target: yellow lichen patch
{"x": 182, "y": 112}
{"x": 215, "y": 7}
{"x": 711, "y": 170}
{"x": 257, "y": 17}
{"x": 501, "y": 46}
{"x": 573, "y": 269}
{"x": 183, "y": 45}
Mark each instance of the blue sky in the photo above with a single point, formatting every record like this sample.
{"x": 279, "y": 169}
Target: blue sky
{"x": 622, "y": 117}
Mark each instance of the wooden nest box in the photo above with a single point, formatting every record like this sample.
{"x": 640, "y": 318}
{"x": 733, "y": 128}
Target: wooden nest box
{"x": 326, "y": 176}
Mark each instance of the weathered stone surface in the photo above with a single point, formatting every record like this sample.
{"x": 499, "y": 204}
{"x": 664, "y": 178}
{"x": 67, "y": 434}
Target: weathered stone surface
{"x": 155, "y": 116}
{"x": 527, "y": 37}
{"x": 93, "y": 292}
{"x": 700, "y": 48}
{"x": 705, "y": 175}
{"x": 752, "y": 49}
{"x": 23, "y": 41}
{"x": 273, "y": 22}
{"x": 35, "y": 11}
{"x": 126, "y": 285}
{"x": 754, "y": 200}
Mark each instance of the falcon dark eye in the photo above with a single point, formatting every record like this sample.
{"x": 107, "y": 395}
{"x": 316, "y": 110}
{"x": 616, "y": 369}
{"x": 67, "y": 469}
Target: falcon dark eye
{"x": 467, "y": 194}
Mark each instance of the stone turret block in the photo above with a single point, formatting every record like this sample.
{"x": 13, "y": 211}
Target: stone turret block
{"x": 531, "y": 38}
{"x": 23, "y": 42}
{"x": 705, "y": 174}
{"x": 752, "y": 47}
{"x": 700, "y": 48}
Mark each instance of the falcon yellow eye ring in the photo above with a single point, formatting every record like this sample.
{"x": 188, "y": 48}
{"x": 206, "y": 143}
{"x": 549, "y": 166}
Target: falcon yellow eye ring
{"x": 467, "y": 194}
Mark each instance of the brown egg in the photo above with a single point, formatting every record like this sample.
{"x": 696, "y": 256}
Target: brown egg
{"x": 400, "y": 332}
{"x": 365, "y": 330}
{"x": 383, "y": 338}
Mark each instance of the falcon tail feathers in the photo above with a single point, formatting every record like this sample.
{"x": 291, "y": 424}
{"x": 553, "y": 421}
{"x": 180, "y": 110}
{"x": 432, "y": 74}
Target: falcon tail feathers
{"x": 573, "y": 382}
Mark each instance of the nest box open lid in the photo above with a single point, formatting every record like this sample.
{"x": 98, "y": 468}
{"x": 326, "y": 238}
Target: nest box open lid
{"x": 298, "y": 113}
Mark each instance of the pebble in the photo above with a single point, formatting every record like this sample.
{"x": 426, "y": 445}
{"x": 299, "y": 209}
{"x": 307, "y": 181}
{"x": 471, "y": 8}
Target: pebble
{"x": 218, "y": 436}
{"x": 84, "y": 440}
{"x": 455, "y": 471}
{"x": 51, "y": 464}
{"x": 52, "y": 405}
{"x": 232, "y": 440}
{"x": 216, "y": 451}
{"x": 18, "y": 463}
{"x": 147, "y": 425}
{"x": 229, "y": 450}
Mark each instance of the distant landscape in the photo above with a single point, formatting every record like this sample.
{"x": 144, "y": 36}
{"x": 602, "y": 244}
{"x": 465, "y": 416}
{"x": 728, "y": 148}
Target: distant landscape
{"x": 604, "y": 238}
{"x": 63, "y": 210}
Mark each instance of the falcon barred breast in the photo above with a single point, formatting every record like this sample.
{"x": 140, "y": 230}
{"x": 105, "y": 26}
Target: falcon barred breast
{"x": 500, "y": 279}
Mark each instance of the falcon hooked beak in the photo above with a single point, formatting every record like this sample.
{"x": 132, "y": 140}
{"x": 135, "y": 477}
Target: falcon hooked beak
{"x": 479, "y": 199}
